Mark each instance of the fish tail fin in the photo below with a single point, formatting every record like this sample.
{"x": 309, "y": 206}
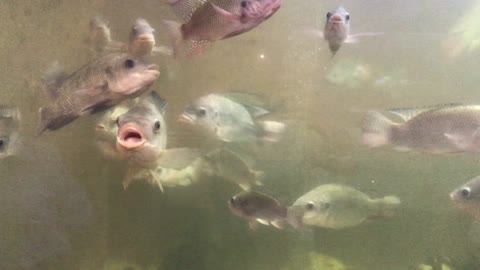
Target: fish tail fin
{"x": 44, "y": 116}
{"x": 376, "y": 129}
{"x": 174, "y": 30}
{"x": 387, "y": 206}
{"x": 270, "y": 131}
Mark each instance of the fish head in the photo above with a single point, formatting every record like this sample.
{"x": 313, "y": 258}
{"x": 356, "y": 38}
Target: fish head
{"x": 307, "y": 211}
{"x": 467, "y": 196}
{"x": 142, "y": 130}
{"x": 256, "y": 11}
{"x": 130, "y": 76}
{"x": 142, "y": 39}
{"x": 337, "y": 28}
{"x": 202, "y": 113}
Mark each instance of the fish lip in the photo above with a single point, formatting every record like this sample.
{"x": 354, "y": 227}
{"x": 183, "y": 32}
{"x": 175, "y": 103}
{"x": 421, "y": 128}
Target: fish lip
{"x": 336, "y": 19}
{"x": 183, "y": 118}
{"x": 145, "y": 38}
{"x": 124, "y": 137}
{"x": 153, "y": 67}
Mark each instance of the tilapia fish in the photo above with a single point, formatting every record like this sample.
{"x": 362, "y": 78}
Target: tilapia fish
{"x": 467, "y": 197}
{"x": 208, "y": 21}
{"x": 336, "y": 207}
{"x": 95, "y": 87}
{"x": 438, "y": 129}
{"x": 258, "y": 208}
{"x": 337, "y": 30}
{"x": 142, "y": 141}
{"x": 230, "y": 121}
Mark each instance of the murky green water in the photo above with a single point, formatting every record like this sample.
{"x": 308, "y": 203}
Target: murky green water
{"x": 81, "y": 218}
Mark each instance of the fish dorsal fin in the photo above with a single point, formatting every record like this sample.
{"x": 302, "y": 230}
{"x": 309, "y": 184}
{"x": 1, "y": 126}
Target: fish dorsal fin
{"x": 252, "y": 102}
{"x": 159, "y": 102}
{"x": 53, "y": 79}
{"x": 408, "y": 113}
{"x": 184, "y": 9}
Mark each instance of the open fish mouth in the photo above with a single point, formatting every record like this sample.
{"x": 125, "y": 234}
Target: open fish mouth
{"x": 130, "y": 137}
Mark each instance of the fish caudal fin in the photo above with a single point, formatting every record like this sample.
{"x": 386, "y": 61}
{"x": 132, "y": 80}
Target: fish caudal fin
{"x": 270, "y": 131}
{"x": 387, "y": 206}
{"x": 376, "y": 129}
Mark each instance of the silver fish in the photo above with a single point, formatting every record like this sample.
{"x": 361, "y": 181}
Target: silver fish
{"x": 336, "y": 207}
{"x": 337, "y": 30}
{"x": 228, "y": 165}
{"x": 209, "y": 21}
{"x": 258, "y": 208}
{"x": 97, "y": 86}
{"x": 437, "y": 129}
{"x": 142, "y": 40}
{"x": 467, "y": 197}
{"x": 230, "y": 121}
{"x": 142, "y": 141}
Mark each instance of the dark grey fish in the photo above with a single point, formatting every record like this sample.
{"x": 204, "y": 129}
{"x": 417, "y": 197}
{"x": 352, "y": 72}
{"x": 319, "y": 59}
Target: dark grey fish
{"x": 439, "y": 129}
{"x": 96, "y": 86}
{"x": 258, "y": 208}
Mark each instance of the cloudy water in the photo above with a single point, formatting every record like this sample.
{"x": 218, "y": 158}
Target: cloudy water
{"x": 298, "y": 123}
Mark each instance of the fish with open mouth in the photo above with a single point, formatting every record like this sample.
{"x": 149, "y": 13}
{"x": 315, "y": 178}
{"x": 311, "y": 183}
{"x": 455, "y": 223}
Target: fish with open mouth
{"x": 95, "y": 87}
{"x": 142, "y": 141}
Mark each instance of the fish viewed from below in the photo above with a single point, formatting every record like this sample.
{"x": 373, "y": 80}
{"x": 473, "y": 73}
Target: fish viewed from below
{"x": 230, "y": 121}
{"x": 258, "y": 208}
{"x": 337, "y": 30}
{"x": 230, "y": 166}
{"x": 337, "y": 207}
{"x": 100, "y": 36}
{"x": 446, "y": 128}
{"x": 142, "y": 141}
{"x": 95, "y": 87}
{"x": 467, "y": 197}
{"x": 206, "y": 21}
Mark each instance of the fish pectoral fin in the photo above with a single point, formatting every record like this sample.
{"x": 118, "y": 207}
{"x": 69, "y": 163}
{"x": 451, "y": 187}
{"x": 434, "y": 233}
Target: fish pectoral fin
{"x": 225, "y": 13}
{"x": 245, "y": 186}
{"x": 263, "y": 221}
{"x": 279, "y": 224}
{"x": 355, "y": 38}
{"x": 458, "y": 140}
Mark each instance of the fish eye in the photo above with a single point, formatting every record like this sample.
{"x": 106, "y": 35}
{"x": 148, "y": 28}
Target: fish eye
{"x": 156, "y": 126}
{"x": 465, "y": 192}
{"x": 347, "y": 17}
{"x": 129, "y": 63}
{"x": 310, "y": 206}
{"x": 329, "y": 14}
{"x": 243, "y": 4}
{"x": 201, "y": 112}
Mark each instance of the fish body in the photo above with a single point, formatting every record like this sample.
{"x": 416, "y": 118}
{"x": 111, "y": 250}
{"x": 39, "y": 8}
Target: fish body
{"x": 337, "y": 207}
{"x": 337, "y": 28}
{"x": 97, "y": 86}
{"x": 209, "y": 21}
{"x": 467, "y": 197}
{"x": 258, "y": 208}
{"x": 230, "y": 166}
{"x": 438, "y": 129}
{"x": 229, "y": 121}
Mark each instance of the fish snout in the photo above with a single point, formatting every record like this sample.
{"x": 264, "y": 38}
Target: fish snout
{"x": 336, "y": 18}
{"x": 185, "y": 119}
